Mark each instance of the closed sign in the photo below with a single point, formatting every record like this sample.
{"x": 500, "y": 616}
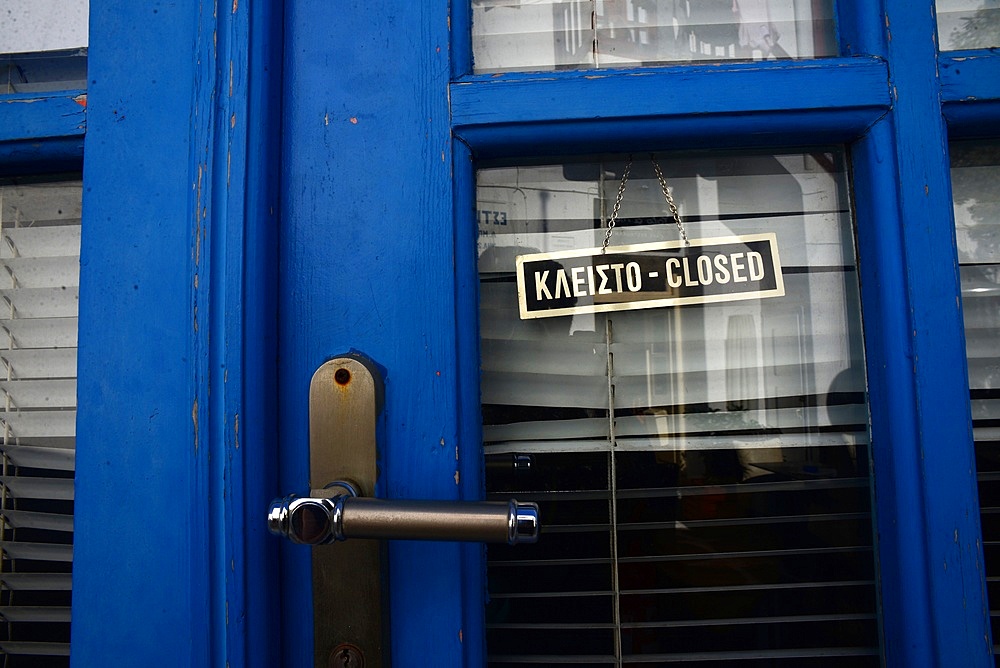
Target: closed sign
{"x": 646, "y": 276}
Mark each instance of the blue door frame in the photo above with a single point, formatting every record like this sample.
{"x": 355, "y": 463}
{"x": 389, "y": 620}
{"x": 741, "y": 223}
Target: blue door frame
{"x": 178, "y": 425}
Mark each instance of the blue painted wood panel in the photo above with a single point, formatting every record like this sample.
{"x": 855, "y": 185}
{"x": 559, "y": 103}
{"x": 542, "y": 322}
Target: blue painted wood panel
{"x": 42, "y": 116}
{"x": 367, "y": 254}
{"x": 970, "y": 76}
{"x": 42, "y": 132}
{"x": 933, "y": 587}
{"x": 694, "y": 106}
{"x": 181, "y": 295}
{"x": 970, "y": 90}
{"x": 177, "y": 313}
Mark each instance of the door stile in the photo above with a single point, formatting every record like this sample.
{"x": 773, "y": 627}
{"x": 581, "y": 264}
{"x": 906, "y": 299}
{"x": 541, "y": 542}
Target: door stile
{"x": 468, "y": 451}
{"x": 368, "y": 266}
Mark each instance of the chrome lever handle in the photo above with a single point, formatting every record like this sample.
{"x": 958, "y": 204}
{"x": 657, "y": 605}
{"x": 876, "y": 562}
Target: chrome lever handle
{"x": 324, "y": 520}
{"x": 345, "y": 398}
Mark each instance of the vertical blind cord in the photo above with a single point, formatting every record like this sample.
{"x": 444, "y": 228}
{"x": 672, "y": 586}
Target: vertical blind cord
{"x": 613, "y": 501}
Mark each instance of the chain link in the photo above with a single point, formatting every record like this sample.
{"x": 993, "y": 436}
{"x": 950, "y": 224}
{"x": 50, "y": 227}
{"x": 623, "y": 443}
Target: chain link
{"x": 670, "y": 200}
{"x": 618, "y": 205}
{"x": 671, "y": 204}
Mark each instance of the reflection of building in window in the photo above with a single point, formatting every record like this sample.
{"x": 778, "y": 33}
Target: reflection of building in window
{"x": 968, "y": 24}
{"x": 757, "y": 33}
{"x": 511, "y": 35}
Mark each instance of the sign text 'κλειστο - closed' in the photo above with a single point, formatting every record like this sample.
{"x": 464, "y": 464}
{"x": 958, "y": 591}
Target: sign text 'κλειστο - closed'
{"x": 646, "y": 276}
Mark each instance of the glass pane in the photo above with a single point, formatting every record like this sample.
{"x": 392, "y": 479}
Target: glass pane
{"x": 968, "y": 24}
{"x": 43, "y": 25}
{"x": 40, "y": 256}
{"x": 43, "y": 45}
{"x": 702, "y": 470}
{"x": 511, "y": 35}
{"x": 975, "y": 177}
{"x": 43, "y": 72}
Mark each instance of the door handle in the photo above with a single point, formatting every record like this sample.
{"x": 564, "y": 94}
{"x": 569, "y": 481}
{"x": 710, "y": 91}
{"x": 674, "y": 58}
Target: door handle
{"x": 345, "y": 397}
{"x": 324, "y": 520}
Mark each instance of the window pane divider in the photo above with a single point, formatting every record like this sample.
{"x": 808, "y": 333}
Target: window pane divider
{"x": 822, "y": 100}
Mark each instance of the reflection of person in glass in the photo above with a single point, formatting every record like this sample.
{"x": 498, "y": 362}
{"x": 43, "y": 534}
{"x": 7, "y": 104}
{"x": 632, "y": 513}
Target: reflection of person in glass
{"x": 756, "y": 32}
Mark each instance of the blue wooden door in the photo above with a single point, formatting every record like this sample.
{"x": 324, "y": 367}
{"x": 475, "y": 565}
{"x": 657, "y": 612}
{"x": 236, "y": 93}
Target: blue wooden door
{"x": 367, "y": 265}
{"x": 354, "y": 125}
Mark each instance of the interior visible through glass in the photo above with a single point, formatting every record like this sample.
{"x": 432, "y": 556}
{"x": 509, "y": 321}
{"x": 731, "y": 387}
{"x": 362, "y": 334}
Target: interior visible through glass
{"x": 40, "y": 260}
{"x": 975, "y": 177}
{"x": 43, "y": 45}
{"x": 702, "y": 470}
{"x": 43, "y": 72}
{"x": 968, "y": 24}
{"x": 511, "y": 35}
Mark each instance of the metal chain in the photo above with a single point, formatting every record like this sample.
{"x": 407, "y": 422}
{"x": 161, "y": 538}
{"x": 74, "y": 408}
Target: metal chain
{"x": 618, "y": 205}
{"x": 666, "y": 194}
{"x": 670, "y": 200}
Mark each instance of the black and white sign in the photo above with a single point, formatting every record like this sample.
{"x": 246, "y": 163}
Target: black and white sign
{"x": 646, "y": 276}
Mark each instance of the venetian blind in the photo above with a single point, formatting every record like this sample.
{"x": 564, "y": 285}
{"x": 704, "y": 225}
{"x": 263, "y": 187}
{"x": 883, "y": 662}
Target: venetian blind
{"x": 975, "y": 179}
{"x": 39, "y": 253}
{"x": 702, "y": 471}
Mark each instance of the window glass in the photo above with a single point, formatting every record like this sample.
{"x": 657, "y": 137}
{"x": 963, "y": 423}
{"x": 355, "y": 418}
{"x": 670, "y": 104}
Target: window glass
{"x": 975, "y": 178}
{"x": 703, "y": 469}
{"x": 968, "y": 24}
{"x": 40, "y": 256}
{"x": 510, "y": 35}
{"x": 43, "y": 45}
{"x": 43, "y": 72}
{"x": 43, "y": 25}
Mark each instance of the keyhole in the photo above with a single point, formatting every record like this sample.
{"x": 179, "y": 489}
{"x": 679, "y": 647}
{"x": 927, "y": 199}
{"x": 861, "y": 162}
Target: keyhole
{"x": 346, "y": 656}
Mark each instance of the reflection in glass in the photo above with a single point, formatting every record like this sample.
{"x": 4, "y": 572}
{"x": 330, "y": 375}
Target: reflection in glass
{"x": 702, "y": 470}
{"x": 968, "y": 24}
{"x": 43, "y": 72}
{"x": 510, "y": 35}
{"x": 975, "y": 177}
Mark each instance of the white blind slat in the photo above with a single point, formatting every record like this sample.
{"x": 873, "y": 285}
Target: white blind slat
{"x": 47, "y": 393}
{"x": 29, "y": 363}
{"x": 684, "y": 443}
{"x": 28, "y": 613}
{"x": 985, "y": 409}
{"x": 23, "y": 519}
{"x": 537, "y": 390}
{"x": 580, "y": 358}
{"x": 37, "y": 581}
{"x": 546, "y": 430}
{"x": 38, "y": 333}
{"x": 55, "y": 302}
{"x": 38, "y": 488}
{"x": 38, "y": 551}
{"x": 48, "y": 241}
{"x": 42, "y": 272}
{"x": 27, "y": 648}
{"x": 28, "y": 201}
{"x": 56, "y": 459}
{"x": 36, "y": 424}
